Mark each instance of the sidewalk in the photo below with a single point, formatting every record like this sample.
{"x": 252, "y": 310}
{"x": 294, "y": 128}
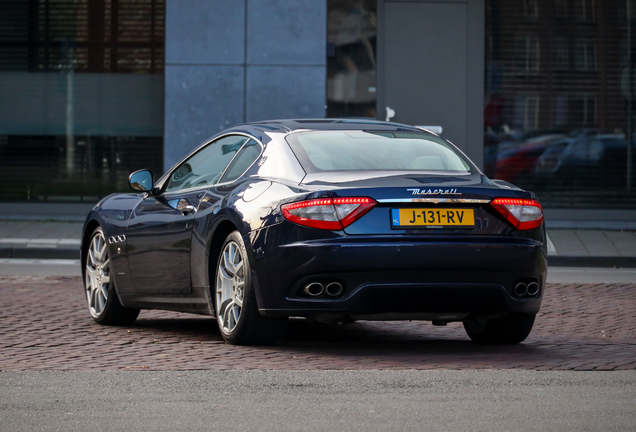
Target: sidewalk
{"x": 41, "y": 230}
{"x": 53, "y": 231}
{"x": 591, "y": 248}
{"x": 40, "y": 239}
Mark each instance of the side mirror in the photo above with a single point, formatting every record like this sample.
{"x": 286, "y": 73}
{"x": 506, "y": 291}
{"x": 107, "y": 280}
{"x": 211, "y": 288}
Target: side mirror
{"x": 141, "y": 181}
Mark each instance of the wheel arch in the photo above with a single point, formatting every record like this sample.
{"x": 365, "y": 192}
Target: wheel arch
{"x": 223, "y": 229}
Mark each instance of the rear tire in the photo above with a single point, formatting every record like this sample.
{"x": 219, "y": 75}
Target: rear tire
{"x": 509, "y": 329}
{"x": 103, "y": 303}
{"x": 235, "y": 305}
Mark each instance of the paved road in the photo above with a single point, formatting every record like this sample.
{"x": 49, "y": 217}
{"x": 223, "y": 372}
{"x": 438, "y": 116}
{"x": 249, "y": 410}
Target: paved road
{"x": 45, "y": 326}
{"x": 318, "y": 401}
{"x": 70, "y": 267}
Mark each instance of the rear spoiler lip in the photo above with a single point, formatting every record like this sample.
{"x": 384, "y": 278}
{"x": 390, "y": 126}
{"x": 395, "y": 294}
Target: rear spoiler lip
{"x": 435, "y": 200}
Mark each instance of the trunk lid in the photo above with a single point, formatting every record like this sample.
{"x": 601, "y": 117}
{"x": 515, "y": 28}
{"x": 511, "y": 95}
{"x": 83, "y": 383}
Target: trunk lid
{"x": 424, "y": 204}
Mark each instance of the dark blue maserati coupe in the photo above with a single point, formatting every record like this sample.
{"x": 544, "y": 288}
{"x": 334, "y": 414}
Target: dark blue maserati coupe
{"x": 333, "y": 220}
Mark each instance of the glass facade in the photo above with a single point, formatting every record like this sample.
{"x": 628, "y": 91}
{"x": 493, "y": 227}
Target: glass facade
{"x": 82, "y": 96}
{"x": 560, "y": 96}
{"x": 351, "y": 58}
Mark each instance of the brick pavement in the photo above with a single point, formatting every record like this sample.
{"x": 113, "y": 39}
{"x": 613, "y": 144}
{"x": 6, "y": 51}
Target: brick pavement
{"x": 44, "y": 325}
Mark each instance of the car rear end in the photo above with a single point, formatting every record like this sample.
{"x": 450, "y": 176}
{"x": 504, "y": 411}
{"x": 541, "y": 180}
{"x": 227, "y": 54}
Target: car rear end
{"x": 438, "y": 242}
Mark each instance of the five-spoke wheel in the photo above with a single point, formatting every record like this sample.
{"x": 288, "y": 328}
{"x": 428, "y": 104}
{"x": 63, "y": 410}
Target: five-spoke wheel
{"x": 235, "y": 302}
{"x": 97, "y": 274}
{"x": 230, "y": 287}
{"x": 103, "y": 303}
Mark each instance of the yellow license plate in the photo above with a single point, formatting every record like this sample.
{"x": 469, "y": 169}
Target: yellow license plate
{"x": 432, "y": 218}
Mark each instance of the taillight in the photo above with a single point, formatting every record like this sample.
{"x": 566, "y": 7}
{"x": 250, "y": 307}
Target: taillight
{"x": 524, "y": 214}
{"x": 328, "y": 213}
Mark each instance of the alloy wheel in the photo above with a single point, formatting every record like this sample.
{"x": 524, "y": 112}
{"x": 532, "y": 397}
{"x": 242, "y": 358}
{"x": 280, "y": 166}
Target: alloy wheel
{"x": 230, "y": 287}
{"x": 97, "y": 278}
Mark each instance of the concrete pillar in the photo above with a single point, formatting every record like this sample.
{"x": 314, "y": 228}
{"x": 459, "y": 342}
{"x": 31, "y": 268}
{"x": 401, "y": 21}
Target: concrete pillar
{"x": 235, "y": 61}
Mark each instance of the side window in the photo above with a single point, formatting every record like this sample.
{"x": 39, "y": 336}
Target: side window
{"x": 206, "y": 166}
{"x": 242, "y": 161}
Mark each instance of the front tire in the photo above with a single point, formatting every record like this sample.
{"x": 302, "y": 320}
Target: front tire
{"x": 103, "y": 304}
{"x": 509, "y": 329}
{"x": 235, "y": 302}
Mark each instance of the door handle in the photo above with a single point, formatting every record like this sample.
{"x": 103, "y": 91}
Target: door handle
{"x": 186, "y": 210}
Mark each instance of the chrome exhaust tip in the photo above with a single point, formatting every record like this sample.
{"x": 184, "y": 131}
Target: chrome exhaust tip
{"x": 533, "y": 288}
{"x": 521, "y": 289}
{"x": 334, "y": 289}
{"x": 314, "y": 289}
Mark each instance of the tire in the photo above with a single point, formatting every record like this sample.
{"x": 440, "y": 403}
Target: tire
{"x": 235, "y": 301}
{"x": 103, "y": 303}
{"x": 509, "y": 329}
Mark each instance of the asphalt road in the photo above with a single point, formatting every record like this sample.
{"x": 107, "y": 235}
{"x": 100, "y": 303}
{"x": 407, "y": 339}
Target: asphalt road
{"x": 318, "y": 401}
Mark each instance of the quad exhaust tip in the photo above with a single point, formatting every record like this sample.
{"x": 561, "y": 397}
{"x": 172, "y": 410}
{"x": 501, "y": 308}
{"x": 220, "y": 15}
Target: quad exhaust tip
{"x": 334, "y": 289}
{"x": 314, "y": 289}
{"x": 531, "y": 289}
{"x": 521, "y": 289}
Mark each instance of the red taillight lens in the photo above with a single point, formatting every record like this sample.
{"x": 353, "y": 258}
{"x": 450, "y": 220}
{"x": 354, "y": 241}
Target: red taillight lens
{"x": 524, "y": 214}
{"x": 328, "y": 213}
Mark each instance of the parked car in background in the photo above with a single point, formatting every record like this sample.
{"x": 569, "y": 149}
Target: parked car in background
{"x": 518, "y": 164}
{"x": 585, "y": 161}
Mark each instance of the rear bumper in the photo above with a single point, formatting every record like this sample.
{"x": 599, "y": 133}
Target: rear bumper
{"x": 394, "y": 276}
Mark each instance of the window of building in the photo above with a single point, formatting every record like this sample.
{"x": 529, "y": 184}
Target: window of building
{"x": 584, "y": 110}
{"x": 561, "y": 8}
{"x": 560, "y": 110}
{"x": 530, "y": 10}
{"x": 86, "y": 36}
{"x": 626, "y": 9}
{"x": 527, "y": 54}
{"x": 624, "y": 52}
{"x": 560, "y": 53}
{"x": 585, "y": 54}
{"x": 526, "y": 112}
{"x": 351, "y": 58}
{"x": 584, "y": 10}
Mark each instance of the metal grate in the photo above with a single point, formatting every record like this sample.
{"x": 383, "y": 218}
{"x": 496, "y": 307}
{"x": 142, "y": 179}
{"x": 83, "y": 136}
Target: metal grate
{"x": 101, "y": 166}
{"x": 82, "y": 35}
{"x": 556, "y": 118}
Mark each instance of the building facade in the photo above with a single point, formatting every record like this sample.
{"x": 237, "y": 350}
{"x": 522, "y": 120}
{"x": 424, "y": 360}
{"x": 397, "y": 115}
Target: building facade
{"x": 537, "y": 92}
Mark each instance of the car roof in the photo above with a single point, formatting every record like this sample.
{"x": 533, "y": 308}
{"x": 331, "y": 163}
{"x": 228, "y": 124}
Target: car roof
{"x": 292, "y": 125}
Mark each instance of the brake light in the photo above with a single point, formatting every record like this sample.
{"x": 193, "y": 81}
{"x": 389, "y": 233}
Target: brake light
{"x": 328, "y": 213}
{"x": 523, "y": 214}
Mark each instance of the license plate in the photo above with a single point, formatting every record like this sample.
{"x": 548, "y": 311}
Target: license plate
{"x": 432, "y": 218}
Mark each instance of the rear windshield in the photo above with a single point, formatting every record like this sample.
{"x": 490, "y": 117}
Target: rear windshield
{"x": 323, "y": 151}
